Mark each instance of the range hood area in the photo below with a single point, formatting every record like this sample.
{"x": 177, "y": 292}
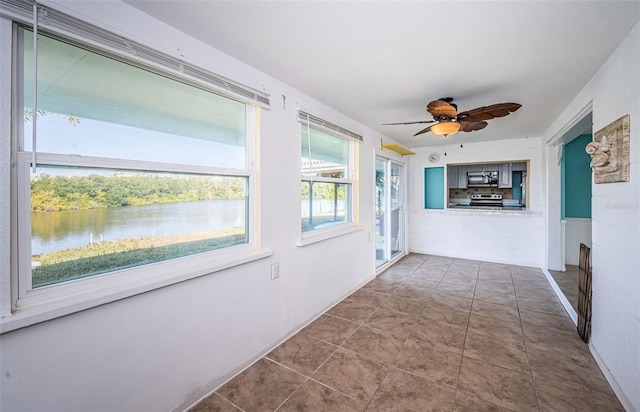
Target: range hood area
{"x": 489, "y": 186}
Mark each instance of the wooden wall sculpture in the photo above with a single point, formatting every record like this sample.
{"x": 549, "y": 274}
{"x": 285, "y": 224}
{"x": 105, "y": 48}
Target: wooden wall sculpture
{"x": 609, "y": 152}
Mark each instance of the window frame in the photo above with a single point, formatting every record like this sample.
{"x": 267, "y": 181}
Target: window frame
{"x": 25, "y": 306}
{"x": 316, "y": 235}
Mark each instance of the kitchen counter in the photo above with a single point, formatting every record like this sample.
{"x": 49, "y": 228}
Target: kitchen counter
{"x": 465, "y": 204}
{"x": 488, "y": 213}
{"x": 479, "y": 208}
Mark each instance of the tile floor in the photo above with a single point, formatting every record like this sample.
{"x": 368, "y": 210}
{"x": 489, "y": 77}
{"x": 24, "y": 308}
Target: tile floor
{"x": 430, "y": 334}
{"x": 568, "y": 283}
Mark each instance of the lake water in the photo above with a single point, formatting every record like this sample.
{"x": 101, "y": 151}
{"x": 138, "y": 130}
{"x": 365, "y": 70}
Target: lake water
{"x": 53, "y": 231}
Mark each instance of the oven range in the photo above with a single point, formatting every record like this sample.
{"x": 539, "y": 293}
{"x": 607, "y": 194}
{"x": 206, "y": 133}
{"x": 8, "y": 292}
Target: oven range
{"x": 486, "y": 200}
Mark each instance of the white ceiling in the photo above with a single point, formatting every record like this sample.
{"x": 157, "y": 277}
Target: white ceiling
{"x": 383, "y": 61}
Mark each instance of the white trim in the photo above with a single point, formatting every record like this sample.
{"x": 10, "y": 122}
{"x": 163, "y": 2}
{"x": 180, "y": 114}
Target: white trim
{"x": 320, "y": 235}
{"x": 7, "y": 65}
{"x": 114, "y": 289}
{"x": 212, "y": 386}
{"x": 577, "y": 219}
{"x": 563, "y": 299}
{"x": 322, "y": 179}
{"x": 28, "y": 297}
{"x": 563, "y": 244}
{"x": 129, "y": 164}
{"x": 581, "y": 114}
{"x": 382, "y": 268}
{"x": 626, "y": 403}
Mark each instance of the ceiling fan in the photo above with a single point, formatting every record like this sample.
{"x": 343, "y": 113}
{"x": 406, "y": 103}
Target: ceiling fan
{"x": 449, "y": 121}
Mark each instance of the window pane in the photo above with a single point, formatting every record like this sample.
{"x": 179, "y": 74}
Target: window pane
{"x": 324, "y": 155}
{"x": 381, "y": 203}
{"x": 397, "y": 214}
{"x": 86, "y": 222}
{"x": 92, "y": 105}
{"x": 327, "y": 206}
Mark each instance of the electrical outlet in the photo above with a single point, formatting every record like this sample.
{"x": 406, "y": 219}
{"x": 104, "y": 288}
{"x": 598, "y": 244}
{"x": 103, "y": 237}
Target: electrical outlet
{"x": 275, "y": 271}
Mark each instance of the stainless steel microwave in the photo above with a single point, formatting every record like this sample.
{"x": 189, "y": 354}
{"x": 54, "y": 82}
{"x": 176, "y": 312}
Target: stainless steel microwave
{"x": 482, "y": 179}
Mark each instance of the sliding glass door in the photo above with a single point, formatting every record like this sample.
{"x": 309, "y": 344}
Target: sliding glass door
{"x": 389, "y": 210}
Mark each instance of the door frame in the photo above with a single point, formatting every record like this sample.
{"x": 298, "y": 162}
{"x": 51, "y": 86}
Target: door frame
{"x": 554, "y": 227}
{"x": 389, "y": 259}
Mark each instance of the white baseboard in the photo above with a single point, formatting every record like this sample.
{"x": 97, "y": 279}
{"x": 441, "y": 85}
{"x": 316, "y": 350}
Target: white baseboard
{"x": 212, "y": 386}
{"x": 626, "y": 404}
{"x": 565, "y": 302}
{"x": 603, "y": 367}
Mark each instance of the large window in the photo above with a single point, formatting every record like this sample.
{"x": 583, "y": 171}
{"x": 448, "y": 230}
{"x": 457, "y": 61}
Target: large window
{"x": 132, "y": 167}
{"x": 327, "y": 182}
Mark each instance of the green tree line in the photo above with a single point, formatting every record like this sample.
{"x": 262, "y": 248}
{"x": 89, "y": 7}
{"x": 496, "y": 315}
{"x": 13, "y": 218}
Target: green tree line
{"x": 55, "y": 193}
{"x": 322, "y": 190}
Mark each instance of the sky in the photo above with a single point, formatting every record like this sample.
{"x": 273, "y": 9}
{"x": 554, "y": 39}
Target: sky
{"x": 55, "y": 134}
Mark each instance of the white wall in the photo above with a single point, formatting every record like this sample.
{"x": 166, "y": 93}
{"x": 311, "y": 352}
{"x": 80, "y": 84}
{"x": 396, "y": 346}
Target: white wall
{"x": 155, "y": 350}
{"x": 616, "y": 226}
{"x": 614, "y": 92}
{"x": 577, "y": 230}
{"x": 508, "y": 237}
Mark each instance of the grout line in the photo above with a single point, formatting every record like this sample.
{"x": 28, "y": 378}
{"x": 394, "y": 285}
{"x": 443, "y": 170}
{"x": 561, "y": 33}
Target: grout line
{"x": 466, "y": 332}
{"x": 392, "y": 364}
{"x": 333, "y": 389}
{"x": 526, "y": 348}
{"x": 225, "y": 399}
{"x": 291, "y": 394}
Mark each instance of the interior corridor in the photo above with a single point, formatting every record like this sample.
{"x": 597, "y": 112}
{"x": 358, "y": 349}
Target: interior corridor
{"x": 431, "y": 333}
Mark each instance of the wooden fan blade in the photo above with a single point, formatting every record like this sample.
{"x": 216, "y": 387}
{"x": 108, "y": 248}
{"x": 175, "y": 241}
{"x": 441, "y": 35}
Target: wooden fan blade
{"x": 440, "y": 107}
{"x": 471, "y": 124}
{"x": 425, "y": 130}
{"x": 421, "y": 121}
{"x": 490, "y": 112}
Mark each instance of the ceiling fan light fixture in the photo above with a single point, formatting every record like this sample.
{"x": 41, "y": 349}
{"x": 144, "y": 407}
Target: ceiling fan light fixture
{"x": 445, "y": 128}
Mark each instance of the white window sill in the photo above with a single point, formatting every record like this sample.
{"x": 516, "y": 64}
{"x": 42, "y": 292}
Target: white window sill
{"x": 111, "y": 291}
{"x": 316, "y": 236}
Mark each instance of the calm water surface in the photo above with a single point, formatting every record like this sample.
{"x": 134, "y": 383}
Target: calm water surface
{"x": 53, "y": 231}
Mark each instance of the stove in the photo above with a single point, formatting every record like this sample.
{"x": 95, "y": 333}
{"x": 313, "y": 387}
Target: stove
{"x": 486, "y": 199}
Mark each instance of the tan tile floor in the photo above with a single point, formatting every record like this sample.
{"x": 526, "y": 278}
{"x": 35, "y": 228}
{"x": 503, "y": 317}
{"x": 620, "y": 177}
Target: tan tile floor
{"x": 431, "y": 333}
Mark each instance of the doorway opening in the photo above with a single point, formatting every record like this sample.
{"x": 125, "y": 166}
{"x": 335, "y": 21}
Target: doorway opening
{"x": 389, "y": 211}
{"x": 575, "y": 207}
